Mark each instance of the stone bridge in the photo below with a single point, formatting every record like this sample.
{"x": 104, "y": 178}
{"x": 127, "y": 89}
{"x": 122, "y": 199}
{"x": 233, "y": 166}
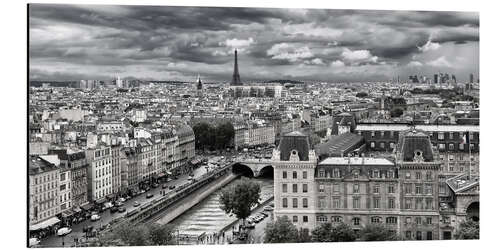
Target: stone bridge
{"x": 257, "y": 166}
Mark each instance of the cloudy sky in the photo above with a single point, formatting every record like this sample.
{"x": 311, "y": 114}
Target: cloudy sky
{"x": 72, "y": 42}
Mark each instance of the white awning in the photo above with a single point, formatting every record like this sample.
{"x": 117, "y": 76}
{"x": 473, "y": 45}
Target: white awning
{"x": 168, "y": 172}
{"x": 44, "y": 224}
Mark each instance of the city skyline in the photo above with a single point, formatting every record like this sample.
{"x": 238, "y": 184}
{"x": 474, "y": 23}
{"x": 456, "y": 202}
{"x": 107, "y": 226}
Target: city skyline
{"x": 72, "y": 42}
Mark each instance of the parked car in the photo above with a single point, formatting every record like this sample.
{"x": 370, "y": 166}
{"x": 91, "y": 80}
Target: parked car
{"x": 172, "y": 187}
{"x": 118, "y": 204}
{"x": 149, "y": 196}
{"x": 122, "y": 199}
{"x": 64, "y": 231}
{"x": 164, "y": 186}
{"x": 136, "y": 204}
{"x": 268, "y": 208}
{"x": 95, "y": 217}
{"x": 122, "y": 210}
{"x": 250, "y": 225}
{"x": 113, "y": 210}
{"x": 155, "y": 185}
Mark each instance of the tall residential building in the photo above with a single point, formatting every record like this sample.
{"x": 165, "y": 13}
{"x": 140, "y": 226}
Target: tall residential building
{"x": 43, "y": 193}
{"x": 418, "y": 171}
{"x": 115, "y": 167}
{"x": 294, "y": 164}
{"x": 99, "y": 173}
{"x": 471, "y": 78}
{"x": 76, "y": 161}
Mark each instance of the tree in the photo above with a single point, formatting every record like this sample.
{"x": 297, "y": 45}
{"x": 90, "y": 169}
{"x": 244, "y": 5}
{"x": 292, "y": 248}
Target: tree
{"x": 304, "y": 235}
{"x": 467, "y": 230}
{"x": 326, "y": 232}
{"x": 314, "y": 139}
{"x": 374, "y": 232}
{"x": 323, "y": 233}
{"x": 238, "y": 199}
{"x": 138, "y": 235}
{"x": 161, "y": 235}
{"x": 224, "y": 135}
{"x": 396, "y": 112}
{"x": 130, "y": 235}
{"x": 281, "y": 231}
{"x": 361, "y": 95}
{"x": 344, "y": 232}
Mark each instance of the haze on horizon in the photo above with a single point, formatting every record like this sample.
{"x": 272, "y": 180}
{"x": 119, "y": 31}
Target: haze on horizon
{"x": 73, "y": 42}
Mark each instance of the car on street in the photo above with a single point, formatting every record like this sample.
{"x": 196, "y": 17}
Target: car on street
{"x": 172, "y": 187}
{"x": 250, "y": 225}
{"x": 122, "y": 210}
{"x": 136, "y": 204}
{"x": 118, "y": 204}
{"x": 155, "y": 185}
{"x": 64, "y": 231}
{"x": 268, "y": 208}
{"x": 164, "y": 186}
{"x": 95, "y": 217}
{"x": 122, "y": 199}
{"x": 142, "y": 191}
{"x": 113, "y": 210}
{"x": 149, "y": 196}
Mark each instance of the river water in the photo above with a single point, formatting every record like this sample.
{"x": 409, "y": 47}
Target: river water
{"x": 207, "y": 216}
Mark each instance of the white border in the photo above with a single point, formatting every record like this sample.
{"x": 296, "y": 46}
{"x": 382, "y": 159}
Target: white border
{"x": 14, "y": 17}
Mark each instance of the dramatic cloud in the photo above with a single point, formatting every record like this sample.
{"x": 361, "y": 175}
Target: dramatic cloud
{"x": 415, "y": 64}
{"x": 358, "y": 56}
{"x": 440, "y": 62}
{"x": 72, "y": 42}
{"x": 337, "y": 63}
{"x": 291, "y": 53}
{"x": 429, "y": 46}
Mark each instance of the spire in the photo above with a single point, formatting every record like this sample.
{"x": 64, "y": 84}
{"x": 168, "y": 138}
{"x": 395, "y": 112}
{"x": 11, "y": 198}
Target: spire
{"x": 236, "y": 75}
{"x": 199, "y": 84}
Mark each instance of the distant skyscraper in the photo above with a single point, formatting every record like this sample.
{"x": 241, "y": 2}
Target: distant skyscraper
{"x": 471, "y": 78}
{"x": 236, "y": 74}
{"x": 435, "y": 78}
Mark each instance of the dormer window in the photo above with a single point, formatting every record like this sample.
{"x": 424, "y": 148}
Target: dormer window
{"x": 321, "y": 173}
{"x": 356, "y": 174}
{"x": 376, "y": 174}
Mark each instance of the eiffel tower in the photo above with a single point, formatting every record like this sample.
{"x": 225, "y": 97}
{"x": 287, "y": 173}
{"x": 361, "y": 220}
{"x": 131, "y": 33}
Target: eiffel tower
{"x": 236, "y": 75}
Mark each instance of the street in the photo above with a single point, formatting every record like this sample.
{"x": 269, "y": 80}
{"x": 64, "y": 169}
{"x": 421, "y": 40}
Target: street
{"x": 106, "y": 216}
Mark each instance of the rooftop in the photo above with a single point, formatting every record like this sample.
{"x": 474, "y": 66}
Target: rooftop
{"x": 426, "y": 128}
{"x": 355, "y": 161}
{"x": 338, "y": 144}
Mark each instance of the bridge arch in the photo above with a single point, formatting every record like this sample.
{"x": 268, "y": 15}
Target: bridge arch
{"x": 245, "y": 170}
{"x": 473, "y": 211}
{"x": 266, "y": 171}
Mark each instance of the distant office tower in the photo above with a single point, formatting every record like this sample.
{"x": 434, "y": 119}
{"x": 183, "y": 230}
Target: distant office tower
{"x": 435, "y": 78}
{"x": 454, "y": 79}
{"x": 236, "y": 75}
{"x": 471, "y": 78}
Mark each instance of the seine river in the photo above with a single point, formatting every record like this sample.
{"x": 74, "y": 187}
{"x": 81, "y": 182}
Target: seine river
{"x": 207, "y": 216}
